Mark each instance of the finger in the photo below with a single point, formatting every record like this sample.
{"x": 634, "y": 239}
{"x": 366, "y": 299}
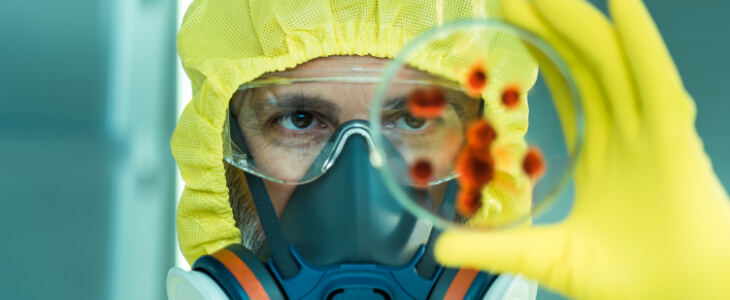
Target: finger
{"x": 597, "y": 127}
{"x": 562, "y": 96}
{"x": 521, "y": 14}
{"x": 533, "y": 252}
{"x": 656, "y": 76}
{"x": 593, "y": 37}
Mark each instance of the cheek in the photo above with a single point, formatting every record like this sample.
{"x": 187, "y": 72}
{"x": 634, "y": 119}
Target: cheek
{"x": 283, "y": 162}
{"x": 290, "y": 166}
{"x": 279, "y": 194}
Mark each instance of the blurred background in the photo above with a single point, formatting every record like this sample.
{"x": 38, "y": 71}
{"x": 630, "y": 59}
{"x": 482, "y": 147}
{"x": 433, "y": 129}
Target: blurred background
{"x": 90, "y": 92}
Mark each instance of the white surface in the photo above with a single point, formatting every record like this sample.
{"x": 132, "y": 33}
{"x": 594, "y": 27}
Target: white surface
{"x": 184, "y": 94}
{"x": 192, "y": 285}
{"x": 512, "y": 287}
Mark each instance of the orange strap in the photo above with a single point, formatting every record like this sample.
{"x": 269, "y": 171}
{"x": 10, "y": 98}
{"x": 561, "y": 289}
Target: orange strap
{"x": 243, "y": 274}
{"x": 460, "y": 285}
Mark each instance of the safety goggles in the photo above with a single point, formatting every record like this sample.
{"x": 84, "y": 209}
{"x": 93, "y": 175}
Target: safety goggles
{"x": 289, "y": 127}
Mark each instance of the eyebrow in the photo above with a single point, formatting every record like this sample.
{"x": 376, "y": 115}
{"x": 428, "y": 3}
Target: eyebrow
{"x": 399, "y": 103}
{"x": 395, "y": 103}
{"x": 265, "y": 106}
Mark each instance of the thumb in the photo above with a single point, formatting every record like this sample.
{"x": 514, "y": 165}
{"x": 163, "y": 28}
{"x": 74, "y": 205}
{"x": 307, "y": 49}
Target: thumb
{"x": 533, "y": 252}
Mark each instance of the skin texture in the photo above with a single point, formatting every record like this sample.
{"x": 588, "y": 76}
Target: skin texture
{"x": 283, "y": 153}
{"x": 244, "y": 212}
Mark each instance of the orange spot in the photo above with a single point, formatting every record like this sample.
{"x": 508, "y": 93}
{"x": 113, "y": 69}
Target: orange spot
{"x": 474, "y": 172}
{"x": 475, "y": 79}
{"x": 534, "y": 163}
{"x": 511, "y": 97}
{"x": 503, "y": 157}
{"x": 421, "y": 172}
{"x": 468, "y": 202}
{"x": 427, "y": 103}
{"x": 479, "y": 138}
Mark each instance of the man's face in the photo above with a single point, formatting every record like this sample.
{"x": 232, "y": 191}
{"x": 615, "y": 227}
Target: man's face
{"x": 287, "y": 126}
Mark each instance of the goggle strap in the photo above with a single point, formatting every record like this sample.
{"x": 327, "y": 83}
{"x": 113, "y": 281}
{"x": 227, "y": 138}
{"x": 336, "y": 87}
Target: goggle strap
{"x": 235, "y": 134}
{"x": 278, "y": 246}
{"x": 427, "y": 266}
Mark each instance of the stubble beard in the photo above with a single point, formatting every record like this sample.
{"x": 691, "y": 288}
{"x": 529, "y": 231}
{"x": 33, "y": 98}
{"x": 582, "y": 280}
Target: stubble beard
{"x": 244, "y": 210}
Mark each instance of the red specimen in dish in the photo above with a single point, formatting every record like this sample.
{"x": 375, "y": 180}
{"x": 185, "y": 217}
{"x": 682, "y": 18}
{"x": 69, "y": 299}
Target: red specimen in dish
{"x": 468, "y": 202}
{"x": 479, "y": 138}
{"x": 474, "y": 172}
{"x": 476, "y": 79}
{"x": 427, "y": 103}
{"x": 421, "y": 172}
{"x": 534, "y": 164}
{"x": 475, "y": 166}
{"x": 511, "y": 97}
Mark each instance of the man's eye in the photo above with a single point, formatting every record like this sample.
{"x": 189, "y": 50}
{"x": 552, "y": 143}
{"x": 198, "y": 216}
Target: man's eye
{"x": 406, "y": 121}
{"x": 412, "y": 122}
{"x": 298, "y": 120}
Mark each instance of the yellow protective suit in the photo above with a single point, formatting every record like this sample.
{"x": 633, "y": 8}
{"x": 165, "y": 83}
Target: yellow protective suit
{"x": 651, "y": 220}
{"x": 225, "y": 43}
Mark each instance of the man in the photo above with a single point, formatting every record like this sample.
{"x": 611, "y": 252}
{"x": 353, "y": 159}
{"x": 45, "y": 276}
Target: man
{"x": 278, "y": 158}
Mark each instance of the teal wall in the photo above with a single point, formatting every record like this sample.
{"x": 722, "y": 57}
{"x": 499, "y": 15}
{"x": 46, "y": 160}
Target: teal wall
{"x": 68, "y": 158}
{"x": 55, "y": 169}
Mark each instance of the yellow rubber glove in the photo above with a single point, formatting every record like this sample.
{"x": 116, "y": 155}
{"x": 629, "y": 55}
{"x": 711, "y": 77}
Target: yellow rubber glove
{"x": 650, "y": 219}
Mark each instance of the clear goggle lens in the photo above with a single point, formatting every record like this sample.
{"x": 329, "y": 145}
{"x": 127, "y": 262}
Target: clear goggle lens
{"x": 284, "y": 126}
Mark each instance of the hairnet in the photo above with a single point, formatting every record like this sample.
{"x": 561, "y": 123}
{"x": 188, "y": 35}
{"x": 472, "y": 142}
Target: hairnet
{"x": 225, "y": 43}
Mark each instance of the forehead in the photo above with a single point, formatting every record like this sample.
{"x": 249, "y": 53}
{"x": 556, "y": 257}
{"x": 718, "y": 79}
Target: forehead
{"x": 337, "y": 66}
{"x": 343, "y": 61}
{"x": 356, "y": 61}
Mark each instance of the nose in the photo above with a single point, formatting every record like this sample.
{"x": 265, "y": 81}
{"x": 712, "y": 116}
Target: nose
{"x": 340, "y": 137}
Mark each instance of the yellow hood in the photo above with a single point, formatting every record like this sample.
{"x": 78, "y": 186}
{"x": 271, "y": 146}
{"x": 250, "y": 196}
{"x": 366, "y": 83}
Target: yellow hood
{"x": 225, "y": 43}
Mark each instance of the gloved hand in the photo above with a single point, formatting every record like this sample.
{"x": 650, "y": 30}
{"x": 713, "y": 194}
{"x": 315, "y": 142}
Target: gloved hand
{"x": 650, "y": 219}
